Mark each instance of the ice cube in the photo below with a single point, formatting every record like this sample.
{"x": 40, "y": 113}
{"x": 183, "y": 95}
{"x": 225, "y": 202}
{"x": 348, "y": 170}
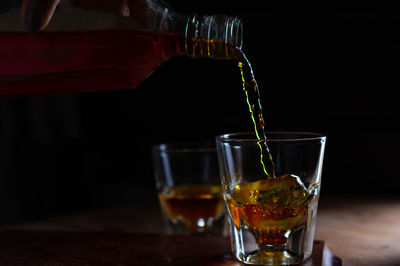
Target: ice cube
{"x": 283, "y": 190}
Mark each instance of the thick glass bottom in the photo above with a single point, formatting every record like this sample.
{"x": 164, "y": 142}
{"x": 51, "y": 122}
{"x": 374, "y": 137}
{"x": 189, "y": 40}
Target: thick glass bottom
{"x": 271, "y": 258}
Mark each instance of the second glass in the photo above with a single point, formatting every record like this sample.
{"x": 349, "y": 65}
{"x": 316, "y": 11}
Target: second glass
{"x": 189, "y": 189}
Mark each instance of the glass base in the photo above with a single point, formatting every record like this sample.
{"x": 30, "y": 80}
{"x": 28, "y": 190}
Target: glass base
{"x": 271, "y": 258}
{"x": 179, "y": 227}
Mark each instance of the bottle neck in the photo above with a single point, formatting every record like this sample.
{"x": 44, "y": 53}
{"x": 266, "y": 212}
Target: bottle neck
{"x": 215, "y": 36}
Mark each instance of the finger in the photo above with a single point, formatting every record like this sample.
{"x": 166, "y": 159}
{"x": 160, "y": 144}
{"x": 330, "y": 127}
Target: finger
{"x": 36, "y": 14}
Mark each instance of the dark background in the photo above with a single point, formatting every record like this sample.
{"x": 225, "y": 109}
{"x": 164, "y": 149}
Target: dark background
{"x": 328, "y": 70}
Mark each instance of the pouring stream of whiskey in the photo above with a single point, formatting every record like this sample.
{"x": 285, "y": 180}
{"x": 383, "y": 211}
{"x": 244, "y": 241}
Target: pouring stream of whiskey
{"x": 252, "y": 92}
{"x": 218, "y": 49}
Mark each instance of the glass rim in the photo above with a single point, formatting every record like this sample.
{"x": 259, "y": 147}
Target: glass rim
{"x": 186, "y": 146}
{"x": 291, "y": 136}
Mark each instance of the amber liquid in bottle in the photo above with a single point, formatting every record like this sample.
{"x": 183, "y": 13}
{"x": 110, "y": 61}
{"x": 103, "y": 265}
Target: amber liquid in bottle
{"x": 80, "y": 61}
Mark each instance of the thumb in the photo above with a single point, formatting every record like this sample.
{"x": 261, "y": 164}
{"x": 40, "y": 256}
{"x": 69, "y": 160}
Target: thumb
{"x": 36, "y": 14}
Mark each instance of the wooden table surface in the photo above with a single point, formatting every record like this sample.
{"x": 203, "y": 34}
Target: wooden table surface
{"x": 361, "y": 230}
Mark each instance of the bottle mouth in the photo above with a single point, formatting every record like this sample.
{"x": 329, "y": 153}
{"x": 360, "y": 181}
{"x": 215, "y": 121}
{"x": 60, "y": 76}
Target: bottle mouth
{"x": 234, "y": 32}
{"x": 215, "y": 28}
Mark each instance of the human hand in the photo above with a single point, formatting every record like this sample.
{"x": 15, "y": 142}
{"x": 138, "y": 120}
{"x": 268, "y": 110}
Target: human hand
{"x": 36, "y": 14}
